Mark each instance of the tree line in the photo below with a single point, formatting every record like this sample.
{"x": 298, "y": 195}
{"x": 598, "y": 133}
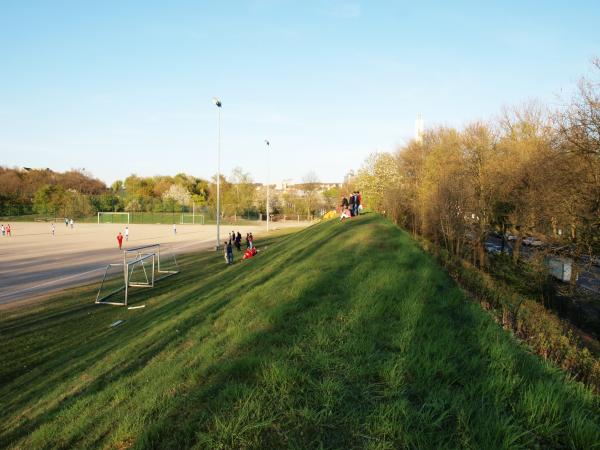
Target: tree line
{"x": 530, "y": 171}
{"x": 76, "y": 193}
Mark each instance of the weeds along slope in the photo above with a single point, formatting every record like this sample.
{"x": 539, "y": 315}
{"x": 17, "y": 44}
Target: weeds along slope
{"x": 343, "y": 335}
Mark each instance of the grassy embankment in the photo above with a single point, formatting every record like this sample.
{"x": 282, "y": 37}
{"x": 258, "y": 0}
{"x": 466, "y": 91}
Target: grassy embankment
{"x": 343, "y": 335}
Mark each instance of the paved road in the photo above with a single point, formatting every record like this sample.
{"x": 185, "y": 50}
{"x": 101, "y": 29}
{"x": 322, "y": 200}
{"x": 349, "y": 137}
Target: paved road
{"x": 35, "y": 263}
{"x": 589, "y": 276}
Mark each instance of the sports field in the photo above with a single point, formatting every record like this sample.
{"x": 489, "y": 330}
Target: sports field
{"x": 35, "y": 263}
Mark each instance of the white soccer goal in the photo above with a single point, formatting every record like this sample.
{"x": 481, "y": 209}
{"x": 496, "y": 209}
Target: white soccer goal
{"x": 141, "y": 267}
{"x": 192, "y": 218}
{"x": 112, "y": 217}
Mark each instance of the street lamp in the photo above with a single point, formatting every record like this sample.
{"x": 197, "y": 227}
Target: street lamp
{"x": 268, "y": 176}
{"x": 218, "y": 104}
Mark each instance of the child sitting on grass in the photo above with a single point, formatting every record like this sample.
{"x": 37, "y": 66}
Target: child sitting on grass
{"x": 345, "y": 214}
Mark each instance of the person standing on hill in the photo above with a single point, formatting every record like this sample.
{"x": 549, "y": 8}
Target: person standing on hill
{"x": 351, "y": 204}
{"x": 229, "y": 253}
{"x": 344, "y": 203}
{"x": 355, "y": 204}
{"x": 238, "y": 241}
{"x": 126, "y": 233}
{"x": 120, "y": 240}
{"x": 360, "y": 205}
{"x": 225, "y": 252}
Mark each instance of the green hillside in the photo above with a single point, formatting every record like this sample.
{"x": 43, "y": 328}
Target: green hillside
{"x": 343, "y": 335}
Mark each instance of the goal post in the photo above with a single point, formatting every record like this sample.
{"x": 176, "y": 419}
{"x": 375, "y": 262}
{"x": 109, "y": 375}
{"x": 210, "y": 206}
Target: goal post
{"x": 141, "y": 267}
{"x": 110, "y": 217}
{"x": 187, "y": 218}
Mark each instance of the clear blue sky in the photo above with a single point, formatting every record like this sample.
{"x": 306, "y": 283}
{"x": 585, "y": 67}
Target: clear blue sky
{"x": 125, "y": 86}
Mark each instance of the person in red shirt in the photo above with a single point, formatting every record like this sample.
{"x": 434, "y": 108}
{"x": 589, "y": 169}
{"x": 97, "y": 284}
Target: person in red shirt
{"x": 8, "y": 230}
{"x": 120, "y": 240}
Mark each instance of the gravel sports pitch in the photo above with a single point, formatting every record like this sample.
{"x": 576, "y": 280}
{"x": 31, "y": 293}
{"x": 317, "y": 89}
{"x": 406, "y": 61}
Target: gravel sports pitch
{"x": 34, "y": 263}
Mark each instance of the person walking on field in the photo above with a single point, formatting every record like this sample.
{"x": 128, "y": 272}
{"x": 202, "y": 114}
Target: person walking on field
{"x": 126, "y": 233}
{"x": 71, "y": 223}
{"x": 66, "y": 222}
{"x": 120, "y": 240}
{"x": 174, "y": 229}
{"x": 53, "y": 230}
{"x": 8, "y": 230}
{"x": 3, "y": 230}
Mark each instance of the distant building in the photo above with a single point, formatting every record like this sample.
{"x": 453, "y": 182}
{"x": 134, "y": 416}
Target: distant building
{"x": 419, "y": 129}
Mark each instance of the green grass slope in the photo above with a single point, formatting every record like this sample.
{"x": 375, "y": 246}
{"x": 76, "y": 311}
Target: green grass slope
{"x": 343, "y": 335}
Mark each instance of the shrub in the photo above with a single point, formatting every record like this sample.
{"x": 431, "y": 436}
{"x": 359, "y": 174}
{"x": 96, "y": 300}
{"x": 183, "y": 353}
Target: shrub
{"x": 542, "y": 331}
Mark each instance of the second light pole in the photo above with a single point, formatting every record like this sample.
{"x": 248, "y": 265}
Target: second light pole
{"x": 218, "y": 104}
{"x": 268, "y": 181}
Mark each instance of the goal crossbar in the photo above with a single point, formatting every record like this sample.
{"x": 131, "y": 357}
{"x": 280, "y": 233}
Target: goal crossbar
{"x": 196, "y": 218}
{"x": 106, "y": 213}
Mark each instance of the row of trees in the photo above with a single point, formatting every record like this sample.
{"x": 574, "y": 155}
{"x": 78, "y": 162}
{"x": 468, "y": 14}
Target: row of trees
{"x": 531, "y": 172}
{"x": 21, "y": 189}
{"x": 77, "y": 194}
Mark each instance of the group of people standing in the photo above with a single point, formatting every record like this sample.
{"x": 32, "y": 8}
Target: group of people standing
{"x": 5, "y": 230}
{"x": 351, "y": 207}
{"x": 236, "y": 240}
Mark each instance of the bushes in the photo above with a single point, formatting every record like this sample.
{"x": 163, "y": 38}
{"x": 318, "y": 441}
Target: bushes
{"x": 533, "y": 324}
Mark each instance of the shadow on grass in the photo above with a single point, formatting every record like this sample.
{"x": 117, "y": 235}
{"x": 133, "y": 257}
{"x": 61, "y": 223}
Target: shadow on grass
{"x": 343, "y": 335}
{"x": 67, "y": 356}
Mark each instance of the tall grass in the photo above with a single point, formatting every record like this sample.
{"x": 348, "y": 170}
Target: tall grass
{"x": 343, "y": 335}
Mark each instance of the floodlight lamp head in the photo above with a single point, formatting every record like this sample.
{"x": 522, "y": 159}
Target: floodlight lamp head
{"x": 217, "y": 102}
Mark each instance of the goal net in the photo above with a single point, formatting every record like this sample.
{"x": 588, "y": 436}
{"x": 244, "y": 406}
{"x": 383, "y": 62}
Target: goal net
{"x": 192, "y": 219}
{"x": 113, "y": 217}
{"x": 141, "y": 268}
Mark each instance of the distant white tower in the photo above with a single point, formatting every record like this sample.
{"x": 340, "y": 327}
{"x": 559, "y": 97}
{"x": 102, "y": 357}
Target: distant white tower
{"x": 419, "y": 129}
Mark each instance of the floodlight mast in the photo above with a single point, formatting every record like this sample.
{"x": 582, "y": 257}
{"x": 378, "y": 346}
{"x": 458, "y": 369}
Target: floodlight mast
{"x": 218, "y": 104}
{"x": 268, "y": 182}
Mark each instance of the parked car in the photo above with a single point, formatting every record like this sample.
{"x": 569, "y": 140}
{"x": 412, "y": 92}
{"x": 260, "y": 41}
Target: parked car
{"x": 531, "y": 241}
{"x": 594, "y": 260}
{"x": 494, "y": 249}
